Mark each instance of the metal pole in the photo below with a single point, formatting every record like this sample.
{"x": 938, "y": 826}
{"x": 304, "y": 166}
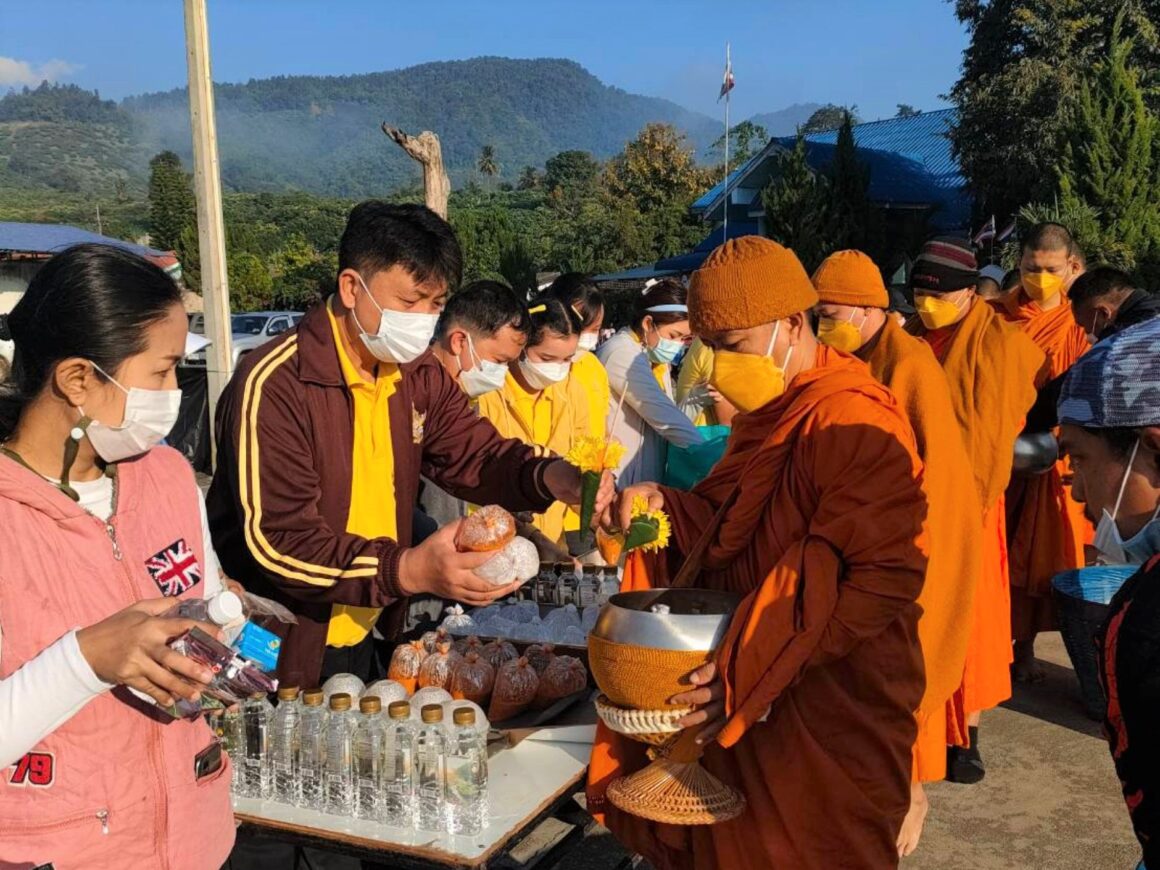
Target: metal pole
{"x": 728, "y": 94}
{"x": 211, "y": 232}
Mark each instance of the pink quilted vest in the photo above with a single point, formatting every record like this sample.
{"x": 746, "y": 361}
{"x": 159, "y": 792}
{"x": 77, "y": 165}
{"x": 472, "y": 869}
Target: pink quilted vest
{"x": 114, "y": 786}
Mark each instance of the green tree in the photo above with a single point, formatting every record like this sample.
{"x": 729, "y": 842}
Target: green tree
{"x": 570, "y": 172}
{"x": 530, "y": 179}
{"x": 517, "y": 265}
{"x": 487, "y": 164}
{"x": 797, "y": 203}
{"x": 829, "y": 117}
{"x": 172, "y": 207}
{"x": 1108, "y": 163}
{"x": 849, "y": 210}
{"x": 655, "y": 170}
{"x": 745, "y": 140}
{"x": 251, "y": 287}
{"x": 905, "y": 110}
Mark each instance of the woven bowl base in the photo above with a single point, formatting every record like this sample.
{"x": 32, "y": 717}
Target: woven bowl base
{"x": 676, "y": 793}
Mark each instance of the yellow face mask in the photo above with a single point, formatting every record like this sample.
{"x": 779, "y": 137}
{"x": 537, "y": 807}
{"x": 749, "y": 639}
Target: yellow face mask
{"x": 1041, "y": 286}
{"x": 935, "y": 312}
{"x": 749, "y": 382}
{"x": 840, "y": 334}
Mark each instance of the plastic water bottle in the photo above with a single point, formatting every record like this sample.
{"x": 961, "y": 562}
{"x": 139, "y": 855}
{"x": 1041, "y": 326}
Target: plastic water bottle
{"x": 399, "y": 770}
{"x": 311, "y": 750}
{"x": 339, "y": 780}
{"x": 466, "y": 791}
{"x": 258, "y": 716}
{"x": 430, "y": 771}
{"x": 284, "y": 743}
{"x": 233, "y": 739}
{"x": 370, "y": 751}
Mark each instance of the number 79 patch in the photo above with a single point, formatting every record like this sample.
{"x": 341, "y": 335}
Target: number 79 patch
{"x": 36, "y": 769}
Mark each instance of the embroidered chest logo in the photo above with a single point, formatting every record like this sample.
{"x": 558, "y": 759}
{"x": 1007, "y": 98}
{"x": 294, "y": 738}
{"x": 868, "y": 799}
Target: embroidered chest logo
{"x": 175, "y": 569}
{"x": 35, "y": 768}
{"x": 418, "y": 424}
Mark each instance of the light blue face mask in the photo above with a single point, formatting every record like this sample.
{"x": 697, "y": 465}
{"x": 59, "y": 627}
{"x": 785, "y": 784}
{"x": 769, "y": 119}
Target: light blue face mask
{"x": 666, "y": 350}
{"x": 1139, "y": 548}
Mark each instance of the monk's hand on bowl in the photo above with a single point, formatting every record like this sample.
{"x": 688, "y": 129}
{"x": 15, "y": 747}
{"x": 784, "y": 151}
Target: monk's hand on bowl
{"x": 649, "y": 491}
{"x": 435, "y": 567}
{"x": 707, "y": 699}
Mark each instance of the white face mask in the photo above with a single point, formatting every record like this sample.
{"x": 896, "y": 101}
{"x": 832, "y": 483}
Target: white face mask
{"x": 588, "y": 341}
{"x": 485, "y": 376}
{"x": 1139, "y": 548}
{"x": 149, "y": 417}
{"x": 401, "y": 336}
{"x": 541, "y": 375}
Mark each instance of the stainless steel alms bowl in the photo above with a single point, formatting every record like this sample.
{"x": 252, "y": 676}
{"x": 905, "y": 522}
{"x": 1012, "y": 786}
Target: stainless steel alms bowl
{"x": 697, "y": 619}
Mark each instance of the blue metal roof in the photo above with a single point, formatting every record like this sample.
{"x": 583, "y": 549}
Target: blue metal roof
{"x": 51, "y": 238}
{"x": 684, "y": 263}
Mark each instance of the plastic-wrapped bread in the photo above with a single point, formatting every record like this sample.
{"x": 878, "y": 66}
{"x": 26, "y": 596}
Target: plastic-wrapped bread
{"x": 405, "y": 663}
{"x": 565, "y": 676}
{"x": 472, "y": 680}
{"x": 498, "y": 653}
{"x": 465, "y": 645}
{"x": 342, "y": 683}
{"x": 386, "y": 691}
{"x": 540, "y": 655}
{"x": 515, "y": 690}
{"x": 431, "y": 639}
{"x": 486, "y": 530}
{"x": 437, "y": 668}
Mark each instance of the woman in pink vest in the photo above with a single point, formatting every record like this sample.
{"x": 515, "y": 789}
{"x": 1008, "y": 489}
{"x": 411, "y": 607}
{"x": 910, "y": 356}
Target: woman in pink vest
{"x": 101, "y": 529}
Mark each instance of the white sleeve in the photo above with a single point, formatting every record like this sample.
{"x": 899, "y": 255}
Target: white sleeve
{"x": 43, "y": 694}
{"x": 212, "y": 575}
{"x": 645, "y": 396}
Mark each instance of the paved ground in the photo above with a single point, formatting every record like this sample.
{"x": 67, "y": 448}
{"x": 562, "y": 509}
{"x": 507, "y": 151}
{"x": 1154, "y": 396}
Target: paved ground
{"x": 1050, "y": 799}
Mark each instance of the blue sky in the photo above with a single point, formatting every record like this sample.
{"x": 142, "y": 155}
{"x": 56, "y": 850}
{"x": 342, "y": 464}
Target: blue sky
{"x": 873, "y": 53}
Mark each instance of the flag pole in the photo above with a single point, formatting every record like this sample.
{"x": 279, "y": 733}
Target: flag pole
{"x": 725, "y": 207}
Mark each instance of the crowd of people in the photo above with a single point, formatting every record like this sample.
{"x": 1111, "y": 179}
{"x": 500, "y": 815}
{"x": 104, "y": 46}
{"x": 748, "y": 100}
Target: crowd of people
{"x": 895, "y": 558}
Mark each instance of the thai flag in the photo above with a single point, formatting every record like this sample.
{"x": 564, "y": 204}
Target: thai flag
{"x": 175, "y": 569}
{"x": 727, "y": 82}
{"x": 1006, "y": 232}
{"x": 986, "y": 233}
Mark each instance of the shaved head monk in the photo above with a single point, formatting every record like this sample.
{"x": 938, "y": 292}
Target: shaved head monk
{"x": 1046, "y": 527}
{"x": 990, "y": 368}
{"x": 852, "y": 302}
{"x": 816, "y": 515}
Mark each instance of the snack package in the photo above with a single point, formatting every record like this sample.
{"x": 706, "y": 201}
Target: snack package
{"x": 342, "y": 684}
{"x": 515, "y": 690}
{"x": 486, "y": 530}
{"x": 234, "y": 678}
{"x": 387, "y": 691}
{"x": 456, "y": 621}
{"x": 437, "y": 668}
{"x": 405, "y": 663}
{"x": 429, "y": 695}
{"x": 472, "y": 680}
{"x": 498, "y": 653}
{"x": 565, "y": 676}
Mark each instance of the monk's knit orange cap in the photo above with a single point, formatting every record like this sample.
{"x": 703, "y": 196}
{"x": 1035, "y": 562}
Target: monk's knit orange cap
{"x": 746, "y": 282}
{"x": 850, "y": 278}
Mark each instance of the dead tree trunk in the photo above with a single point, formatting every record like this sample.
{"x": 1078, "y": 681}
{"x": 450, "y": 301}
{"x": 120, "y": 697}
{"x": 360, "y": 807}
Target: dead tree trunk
{"x": 425, "y": 148}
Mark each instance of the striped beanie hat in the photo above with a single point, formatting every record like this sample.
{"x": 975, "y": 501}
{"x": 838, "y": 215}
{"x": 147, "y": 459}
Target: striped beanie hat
{"x": 945, "y": 264}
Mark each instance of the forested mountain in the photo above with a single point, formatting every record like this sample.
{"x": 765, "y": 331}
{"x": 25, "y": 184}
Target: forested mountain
{"x": 785, "y": 122}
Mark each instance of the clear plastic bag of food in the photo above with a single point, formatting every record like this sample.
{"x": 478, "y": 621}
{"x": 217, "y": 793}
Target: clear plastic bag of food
{"x": 498, "y": 653}
{"x": 539, "y": 656}
{"x": 405, "y": 663}
{"x": 565, "y": 676}
{"x": 387, "y": 691}
{"x": 466, "y": 645}
{"x": 457, "y": 622}
{"x": 437, "y": 668}
{"x": 432, "y": 639}
{"x": 516, "y": 684}
{"x": 472, "y": 680}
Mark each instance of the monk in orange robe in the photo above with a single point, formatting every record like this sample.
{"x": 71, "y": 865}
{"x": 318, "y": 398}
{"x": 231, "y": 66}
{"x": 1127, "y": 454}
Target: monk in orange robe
{"x": 990, "y": 369}
{"x": 1046, "y": 527}
{"x": 853, "y": 319}
{"x": 816, "y": 515}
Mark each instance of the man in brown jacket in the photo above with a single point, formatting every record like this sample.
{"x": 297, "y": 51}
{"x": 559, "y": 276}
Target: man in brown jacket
{"x": 323, "y": 435}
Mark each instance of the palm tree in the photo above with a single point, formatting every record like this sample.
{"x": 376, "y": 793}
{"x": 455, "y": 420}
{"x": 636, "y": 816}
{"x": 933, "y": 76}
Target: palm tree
{"x": 487, "y": 163}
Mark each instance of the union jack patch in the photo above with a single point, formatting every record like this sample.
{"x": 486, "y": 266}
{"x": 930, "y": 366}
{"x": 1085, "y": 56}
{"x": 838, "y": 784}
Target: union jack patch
{"x": 175, "y": 569}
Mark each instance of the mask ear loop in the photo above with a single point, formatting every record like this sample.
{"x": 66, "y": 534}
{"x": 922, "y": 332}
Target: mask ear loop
{"x": 367, "y": 290}
{"x": 1124, "y": 482}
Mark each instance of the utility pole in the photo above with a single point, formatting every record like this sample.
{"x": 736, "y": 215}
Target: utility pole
{"x": 211, "y": 232}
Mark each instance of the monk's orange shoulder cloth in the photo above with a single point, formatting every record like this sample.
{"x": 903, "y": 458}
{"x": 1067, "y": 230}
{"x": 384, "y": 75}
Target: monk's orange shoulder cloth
{"x": 908, "y": 367}
{"x": 1055, "y": 332}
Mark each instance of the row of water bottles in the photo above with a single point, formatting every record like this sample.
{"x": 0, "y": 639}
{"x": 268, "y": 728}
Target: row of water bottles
{"x": 374, "y": 765}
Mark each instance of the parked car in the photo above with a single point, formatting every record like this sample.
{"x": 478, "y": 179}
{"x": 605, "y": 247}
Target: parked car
{"x": 249, "y": 330}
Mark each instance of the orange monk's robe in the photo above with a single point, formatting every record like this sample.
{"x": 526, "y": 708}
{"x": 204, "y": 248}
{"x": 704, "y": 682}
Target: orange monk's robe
{"x": 907, "y": 366}
{"x": 1046, "y": 527}
{"x": 990, "y": 369}
{"x": 821, "y": 665}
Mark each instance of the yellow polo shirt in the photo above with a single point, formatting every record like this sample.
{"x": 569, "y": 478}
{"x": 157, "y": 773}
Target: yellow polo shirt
{"x": 372, "y": 479}
{"x": 592, "y": 381}
{"x": 696, "y": 370}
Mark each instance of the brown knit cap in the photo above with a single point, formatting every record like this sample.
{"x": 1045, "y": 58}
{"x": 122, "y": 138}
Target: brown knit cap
{"x": 850, "y": 278}
{"x": 746, "y": 282}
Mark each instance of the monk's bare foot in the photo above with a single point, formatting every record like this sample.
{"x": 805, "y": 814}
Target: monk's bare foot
{"x": 911, "y": 831}
{"x": 1027, "y": 668}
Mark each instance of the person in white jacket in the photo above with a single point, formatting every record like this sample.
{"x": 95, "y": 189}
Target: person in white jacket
{"x": 638, "y": 360}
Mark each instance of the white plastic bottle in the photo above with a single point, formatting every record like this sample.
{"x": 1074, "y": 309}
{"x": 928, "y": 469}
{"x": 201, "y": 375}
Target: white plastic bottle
{"x": 221, "y": 610}
{"x": 399, "y": 770}
{"x": 339, "y": 780}
{"x": 258, "y": 716}
{"x": 430, "y": 771}
{"x": 284, "y": 743}
{"x": 370, "y": 750}
{"x": 466, "y": 789}
{"x": 311, "y": 750}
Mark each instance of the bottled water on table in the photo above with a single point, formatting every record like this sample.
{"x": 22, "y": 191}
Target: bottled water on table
{"x": 284, "y": 742}
{"x": 430, "y": 771}
{"x": 370, "y": 759}
{"x": 233, "y": 741}
{"x": 399, "y": 769}
{"x": 311, "y": 750}
{"x": 466, "y": 789}
{"x": 339, "y": 779}
{"x": 257, "y": 716}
